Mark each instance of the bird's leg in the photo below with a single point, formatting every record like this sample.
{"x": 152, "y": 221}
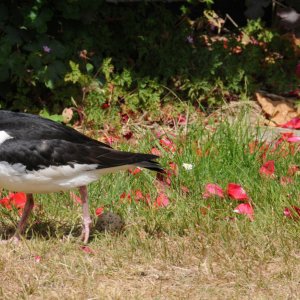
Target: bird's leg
{"x": 86, "y": 214}
{"x": 26, "y": 212}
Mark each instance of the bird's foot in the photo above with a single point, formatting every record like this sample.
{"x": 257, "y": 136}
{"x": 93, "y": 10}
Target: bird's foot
{"x": 85, "y": 234}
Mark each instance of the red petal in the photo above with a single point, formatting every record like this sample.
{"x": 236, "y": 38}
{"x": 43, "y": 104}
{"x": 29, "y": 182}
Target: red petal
{"x": 181, "y": 119}
{"x": 294, "y": 139}
{"x": 155, "y": 151}
{"x": 253, "y": 146}
{"x": 87, "y": 250}
{"x": 245, "y": 209}
{"x": 184, "y": 189}
{"x": 168, "y": 144}
{"x": 147, "y": 198}
{"x": 75, "y": 198}
{"x": 284, "y": 180}
{"x": 268, "y": 168}
{"x": 135, "y": 171}
{"x": 105, "y": 105}
{"x": 124, "y": 118}
{"x": 293, "y": 169}
{"x": 159, "y": 133}
{"x": 110, "y": 139}
{"x": 235, "y": 191}
{"x": 297, "y": 209}
{"x": 284, "y": 137}
{"x": 99, "y": 211}
{"x": 173, "y": 166}
{"x": 294, "y": 93}
{"x": 204, "y": 210}
{"x": 128, "y": 135}
{"x": 212, "y": 189}
{"x": 18, "y": 200}
{"x": 164, "y": 178}
{"x": 294, "y": 123}
{"x": 5, "y": 202}
{"x": 124, "y": 196}
{"x": 138, "y": 195}
{"x": 161, "y": 201}
{"x": 287, "y": 212}
{"x": 37, "y": 259}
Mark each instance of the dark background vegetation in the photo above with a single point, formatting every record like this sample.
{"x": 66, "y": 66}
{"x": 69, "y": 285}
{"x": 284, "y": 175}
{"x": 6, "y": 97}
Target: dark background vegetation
{"x": 136, "y": 56}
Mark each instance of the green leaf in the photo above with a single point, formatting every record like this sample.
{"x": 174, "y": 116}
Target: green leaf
{"x": 49, "y": 84}
{"x": 75, "y": 74}
{"x": 89, "y": 68}
{"x": 57, "y": 118}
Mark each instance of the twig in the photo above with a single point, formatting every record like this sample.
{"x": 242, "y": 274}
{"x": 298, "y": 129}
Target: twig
{"x": 187, "y": 121}
{"x": 279, "y": 3}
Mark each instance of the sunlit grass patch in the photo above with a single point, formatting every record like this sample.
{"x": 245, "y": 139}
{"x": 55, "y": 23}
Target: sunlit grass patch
{"x": 191, "y": 245}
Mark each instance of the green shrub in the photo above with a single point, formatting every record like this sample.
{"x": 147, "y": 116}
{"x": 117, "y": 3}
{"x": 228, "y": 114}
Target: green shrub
{"x": 53, "y": 52}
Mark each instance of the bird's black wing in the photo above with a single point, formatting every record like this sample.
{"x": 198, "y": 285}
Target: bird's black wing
{"x": 31, "y": 127}
{"x": 39, "y": 154}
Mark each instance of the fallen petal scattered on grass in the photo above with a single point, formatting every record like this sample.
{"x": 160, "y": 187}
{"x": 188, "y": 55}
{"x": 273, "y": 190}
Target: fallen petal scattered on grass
{"x": 14, "y": 200}
{"x": 293, "y": 170}
{"x": 161, "y": 201}
{"x": 245, "y": 209}
{"x": 236, "y": 192}
{"x": 155, "y": 151}
{"x": 99, "y": 211}
{"x": 293, "y": 123}
{"x": 128, "y": 135}
{"x": 289, "y": 212}
{"x": 138, "y": 195}
{"x": 294, "y": 139}
{"x": 285, "y": 180}
{"x": 87, "y": 249}
{"x": 212, "y": 189}
{"x": 164, "y": 178}
{"x": 184, "y": 189}
{"x": 135, "y": 171}
{"x": 125, "y": 196}
{"x": 204, "y": 210}
{"x": 37, "y": 259}
{"x": 296, "y": 209}
{"x": 268, "y": 168}
{"x": 75, "y": 198}
{"x": 168, "y": 145}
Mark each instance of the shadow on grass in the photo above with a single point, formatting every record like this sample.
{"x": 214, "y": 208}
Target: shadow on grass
{"x": 47, "y": 229}
{"x": 44, "y": 229}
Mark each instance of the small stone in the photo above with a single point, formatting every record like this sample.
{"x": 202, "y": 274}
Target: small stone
{"x": 110, "y": 222}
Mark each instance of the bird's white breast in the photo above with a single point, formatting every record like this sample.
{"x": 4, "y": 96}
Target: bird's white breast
{"x": 51, "y": 179}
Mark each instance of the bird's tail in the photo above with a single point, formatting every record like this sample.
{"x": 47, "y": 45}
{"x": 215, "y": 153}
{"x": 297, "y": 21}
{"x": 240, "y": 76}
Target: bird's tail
{"x": 114, "y": 158}
{"x": 150, "y": 164}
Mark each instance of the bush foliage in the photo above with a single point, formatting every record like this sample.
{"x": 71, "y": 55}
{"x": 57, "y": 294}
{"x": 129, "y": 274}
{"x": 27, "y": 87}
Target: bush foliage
{"x": 132, "y": 55}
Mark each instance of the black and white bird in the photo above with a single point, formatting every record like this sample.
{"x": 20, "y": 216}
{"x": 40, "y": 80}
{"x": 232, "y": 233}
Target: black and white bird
{"x": 38, "y": 155}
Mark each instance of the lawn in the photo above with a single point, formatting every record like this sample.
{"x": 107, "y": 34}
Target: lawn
{"x": 179, "y": 241}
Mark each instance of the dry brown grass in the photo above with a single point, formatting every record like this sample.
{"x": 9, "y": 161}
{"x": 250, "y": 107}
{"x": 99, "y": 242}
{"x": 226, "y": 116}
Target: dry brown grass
{"x": 129, "y": 267}
{"x": 176, "y": 252}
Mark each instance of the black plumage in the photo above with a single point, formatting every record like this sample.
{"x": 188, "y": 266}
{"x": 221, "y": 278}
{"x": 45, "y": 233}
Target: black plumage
{"x": 39, "y": 155}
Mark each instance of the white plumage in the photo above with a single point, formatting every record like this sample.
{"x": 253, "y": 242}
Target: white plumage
{"x": 38, "y": 155}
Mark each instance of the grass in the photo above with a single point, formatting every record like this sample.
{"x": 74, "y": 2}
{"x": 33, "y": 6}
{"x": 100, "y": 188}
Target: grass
{"x": 194, "y": 248}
